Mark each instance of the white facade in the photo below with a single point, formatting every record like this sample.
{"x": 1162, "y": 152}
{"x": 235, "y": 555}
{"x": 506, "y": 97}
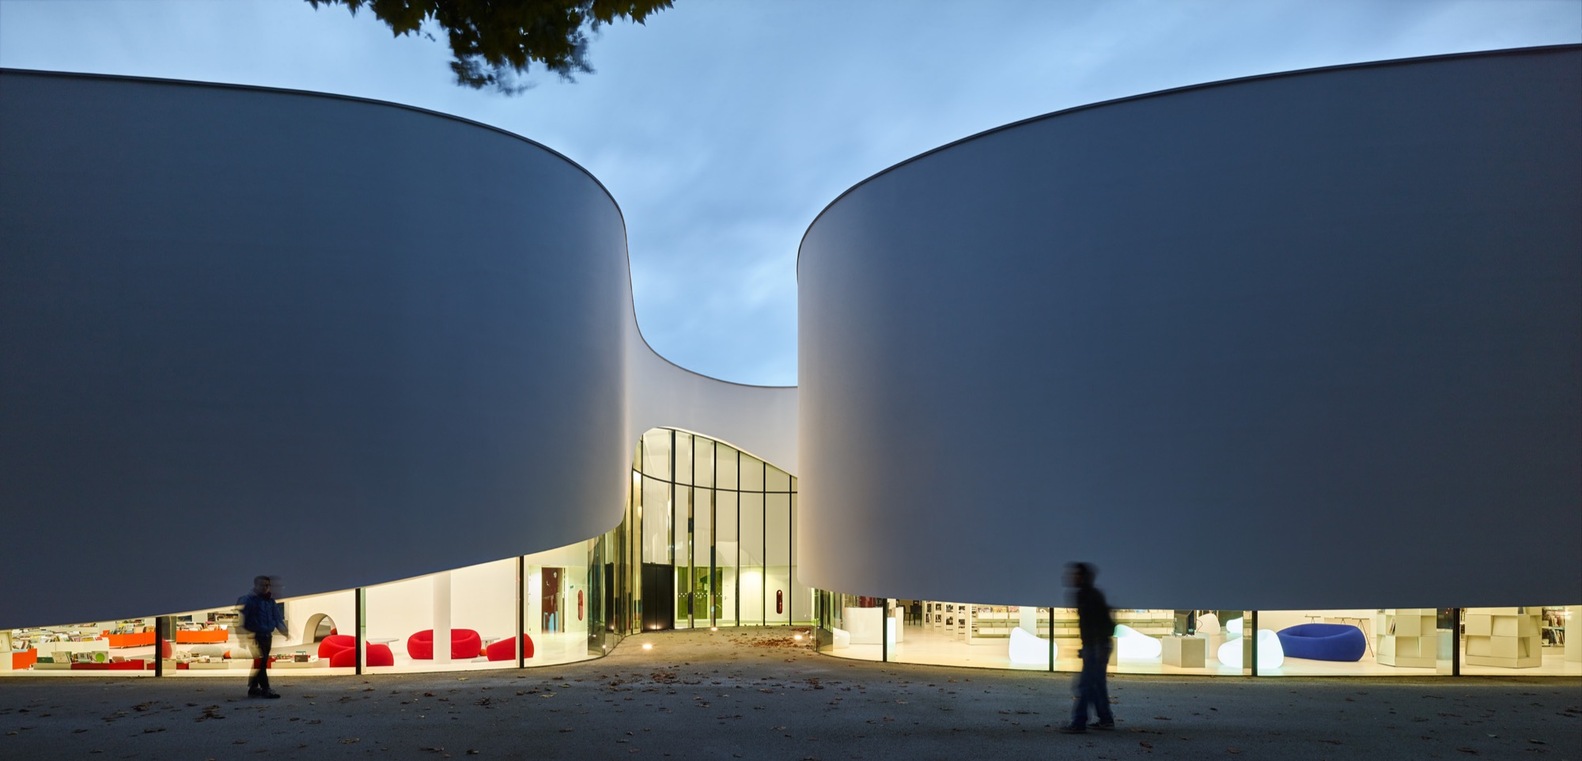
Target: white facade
{"x": 246, "y": 329}
{"x": 1308, "y": 340}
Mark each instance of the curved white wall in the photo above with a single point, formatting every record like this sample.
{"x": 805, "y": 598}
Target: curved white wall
{"x": 1309, "y": 340}
{"x": 247, "y": 331}
{"x": 760, "y": 420}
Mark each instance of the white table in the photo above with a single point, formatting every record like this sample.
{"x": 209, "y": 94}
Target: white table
{"x": 1184, "y": 652}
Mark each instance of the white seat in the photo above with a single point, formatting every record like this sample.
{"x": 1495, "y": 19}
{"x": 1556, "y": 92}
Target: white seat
{"x": 1270, "y": 654}
{"x": 1133, "y": 645}
{"x": 1028, "y": 649}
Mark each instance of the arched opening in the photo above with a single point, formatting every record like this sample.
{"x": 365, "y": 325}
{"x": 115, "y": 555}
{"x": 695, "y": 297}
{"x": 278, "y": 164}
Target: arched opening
{"x": 319, "y": 626}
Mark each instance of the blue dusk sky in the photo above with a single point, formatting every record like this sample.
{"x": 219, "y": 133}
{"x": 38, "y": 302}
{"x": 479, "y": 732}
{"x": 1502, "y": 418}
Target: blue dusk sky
{"x": 722, "y": 128}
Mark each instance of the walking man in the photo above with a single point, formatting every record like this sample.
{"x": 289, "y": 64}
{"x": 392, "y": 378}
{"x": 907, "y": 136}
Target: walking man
{"x": 261, "y": 618}
{"x": 1097, "y": 627}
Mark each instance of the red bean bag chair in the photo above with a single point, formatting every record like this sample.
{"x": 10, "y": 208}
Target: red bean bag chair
{"x": 336, "y": 643}
{"x": 378, "y": 655}
{"x": 464, "y": 644}
{"x": 505, "y": 649}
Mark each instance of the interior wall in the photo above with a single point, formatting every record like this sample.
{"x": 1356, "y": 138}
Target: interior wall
{"x": 483, "y": 598}
{"x": 341, "y": 607}
{"x": 1275, "y": 620}
{"x": 400, "y": 609}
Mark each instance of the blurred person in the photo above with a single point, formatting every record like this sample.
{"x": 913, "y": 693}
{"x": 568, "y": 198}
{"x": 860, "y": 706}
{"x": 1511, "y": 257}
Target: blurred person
{"x": 1097, "y": 627}
{"x": 262, "y": 616}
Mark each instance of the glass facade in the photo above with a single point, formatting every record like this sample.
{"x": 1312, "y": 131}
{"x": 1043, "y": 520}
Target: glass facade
{"x": 708, "y": 540}
{"x": 717, "y": 528}
{"x": 705, "y": 541}
{"x": 100, "y": 648}
{"x": 1524, "y": 641}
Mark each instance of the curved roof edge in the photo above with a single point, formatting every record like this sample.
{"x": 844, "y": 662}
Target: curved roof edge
{"x": 327, "y": 95}
{"x": 1172, "y": 91}
{"x": 690, "y": 371}
{"x": 428, "y": 112}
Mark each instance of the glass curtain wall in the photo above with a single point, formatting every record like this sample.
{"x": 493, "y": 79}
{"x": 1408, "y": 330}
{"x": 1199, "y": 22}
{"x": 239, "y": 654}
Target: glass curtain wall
{"x": 716, "y": 527}
{"x": 1411, "y": 642}
{"x": 124, "y": 647}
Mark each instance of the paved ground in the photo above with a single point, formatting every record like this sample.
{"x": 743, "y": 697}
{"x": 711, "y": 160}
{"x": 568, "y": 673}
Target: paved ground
{"x": 755, "y": 694}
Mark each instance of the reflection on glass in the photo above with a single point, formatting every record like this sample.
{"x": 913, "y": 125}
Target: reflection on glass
{"x": 702, "y": 461}
{"x": 751, "y": 549}
{"x": 727, "y": 547}
{"x": 705, "y": 577}
{"x": 776, "y": 479}
{"x": 724, "y": 466}
{"x": 752, "y": 473}
{"x": 656, "y": 454}
{"x": 778, "y": 599}
{"x": 803, "y": 609}
{"x": 685, "y": 597}
{"x": 683, "y": 449}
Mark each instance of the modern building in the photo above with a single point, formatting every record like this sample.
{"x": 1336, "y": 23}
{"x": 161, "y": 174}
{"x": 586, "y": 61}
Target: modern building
{"x": 1285, "y": 350}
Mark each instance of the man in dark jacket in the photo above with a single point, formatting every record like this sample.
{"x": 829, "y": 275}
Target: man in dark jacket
{"x": 261, "y": 618}
{"x": 1097, "y": 628}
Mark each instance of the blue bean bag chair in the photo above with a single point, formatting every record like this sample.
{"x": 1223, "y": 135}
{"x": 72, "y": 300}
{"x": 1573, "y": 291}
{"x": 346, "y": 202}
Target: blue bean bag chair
{"x": 1323, "y": 642}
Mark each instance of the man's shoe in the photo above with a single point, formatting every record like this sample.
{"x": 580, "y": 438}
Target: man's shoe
{"x": 1107, "y": 726}
{"x": 270, "y": 694}
{"x": 254, "y": 692}
{"x": 1073, "y": 729}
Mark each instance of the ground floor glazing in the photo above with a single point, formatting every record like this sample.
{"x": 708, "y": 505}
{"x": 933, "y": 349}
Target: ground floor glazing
{"x": 707, "y": 540}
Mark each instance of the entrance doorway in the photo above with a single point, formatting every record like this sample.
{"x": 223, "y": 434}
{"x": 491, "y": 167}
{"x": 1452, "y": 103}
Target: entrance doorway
{"x": 550, "y": 618}
{"x": 659, "y": 596}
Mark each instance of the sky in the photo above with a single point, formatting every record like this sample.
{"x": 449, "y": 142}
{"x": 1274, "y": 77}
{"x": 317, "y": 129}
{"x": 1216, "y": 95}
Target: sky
{"x": 723, "y": 127}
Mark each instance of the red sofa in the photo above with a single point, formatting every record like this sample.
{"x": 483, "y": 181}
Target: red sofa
{"x": 335, "y": 643}
{"x": 378, "y": 655}
{"x": 464, "y": 644}
{"x": 505, "y": 649}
